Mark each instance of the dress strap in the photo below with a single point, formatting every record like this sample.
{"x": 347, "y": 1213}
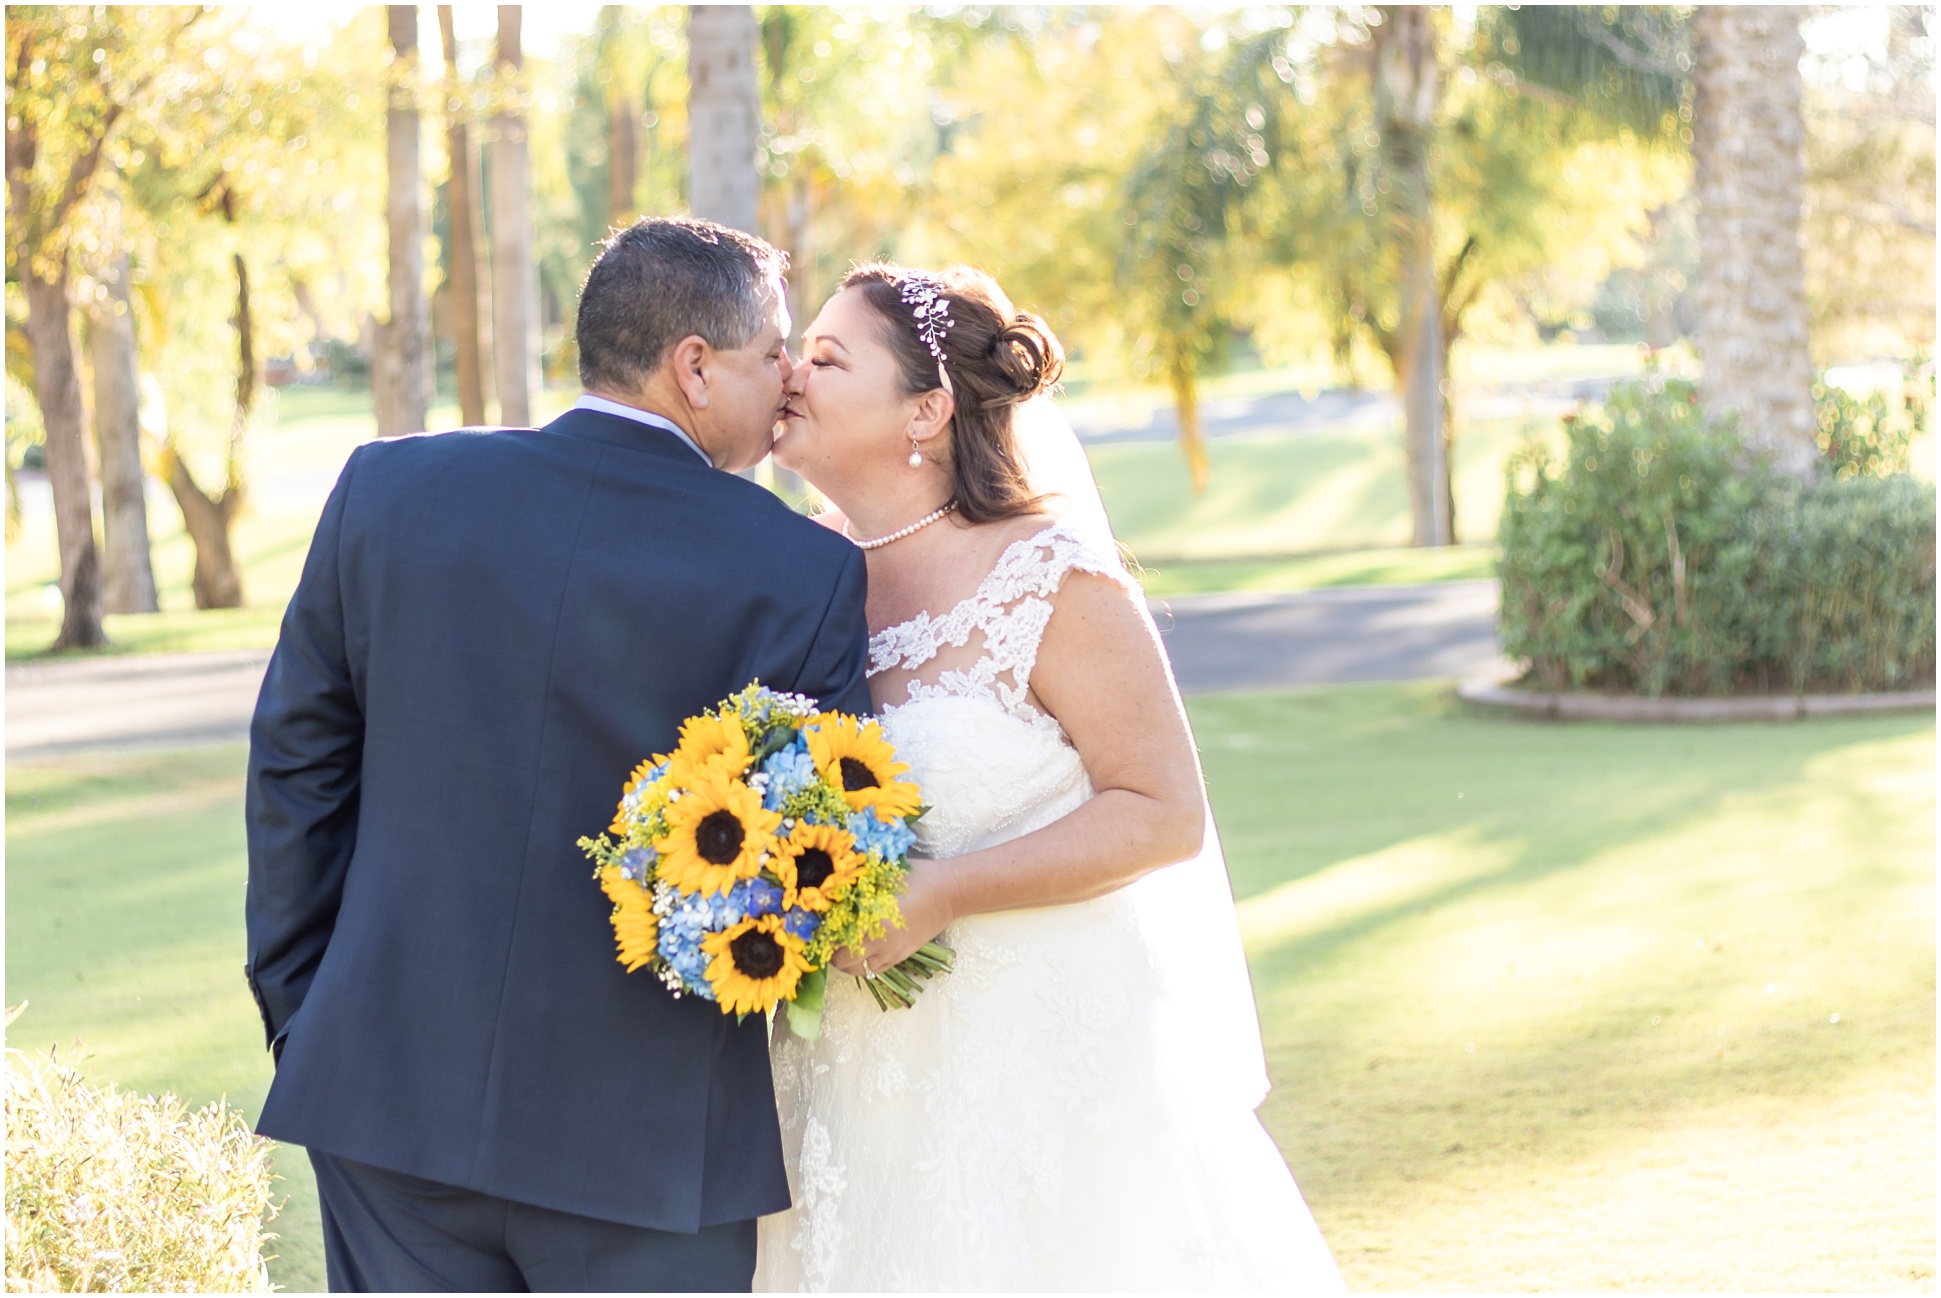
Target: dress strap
{"x": 1009, "y": 612}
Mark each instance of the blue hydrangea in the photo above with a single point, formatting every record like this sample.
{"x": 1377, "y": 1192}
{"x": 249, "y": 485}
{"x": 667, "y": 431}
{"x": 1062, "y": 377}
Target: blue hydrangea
{"x": 637, "y": 862}
{"x": 685, "y": 919}
{"x": 789, "y": 772}
{"x": 755, "y": 897}
{"x": 802, "y": 923}
{"x": 892, "y": 842}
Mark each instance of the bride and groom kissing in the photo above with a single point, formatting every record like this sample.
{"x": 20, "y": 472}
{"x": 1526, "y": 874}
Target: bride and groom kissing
{"x": 493, "y": 627}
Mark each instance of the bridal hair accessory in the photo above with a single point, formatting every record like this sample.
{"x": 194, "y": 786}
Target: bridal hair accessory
{"x": 902, "y": 532}
{"x": 923, "y": 294}
{"x": 773, "y": 837}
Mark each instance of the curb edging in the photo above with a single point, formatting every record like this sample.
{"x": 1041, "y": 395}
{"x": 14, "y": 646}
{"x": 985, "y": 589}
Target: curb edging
{"x": 1492, "y": 693}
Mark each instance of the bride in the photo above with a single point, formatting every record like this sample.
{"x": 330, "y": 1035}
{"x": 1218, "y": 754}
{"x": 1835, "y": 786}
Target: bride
{"x": 1072, "y": 1106}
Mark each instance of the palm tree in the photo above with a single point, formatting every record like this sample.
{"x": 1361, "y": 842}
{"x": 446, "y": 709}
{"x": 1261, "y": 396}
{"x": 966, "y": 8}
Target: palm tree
{"x": 515, "y": 284}
{"x": 1733, "y": 72}
{"x": 724, "y": 114}
{"x": 402, "y": 384}
{"x": 1749, "y": 150}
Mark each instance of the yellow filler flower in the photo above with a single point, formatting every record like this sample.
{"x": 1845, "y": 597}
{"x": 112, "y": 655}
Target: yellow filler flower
{"x": 815, "y": 863}
{"x": 636, "y": 783}
{"x": 635, "y": 926}
{"x": 717, "y": 832}
{"x": 852, "y": 755}
{"x": 709, "y": 743}
{"x": 756, "y": 964}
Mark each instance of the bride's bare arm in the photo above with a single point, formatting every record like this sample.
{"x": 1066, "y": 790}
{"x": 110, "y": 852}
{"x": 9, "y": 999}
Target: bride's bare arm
{"x": 1102, "y": 673}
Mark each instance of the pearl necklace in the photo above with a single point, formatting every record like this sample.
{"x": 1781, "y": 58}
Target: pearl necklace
{"x": 900, "y": 533}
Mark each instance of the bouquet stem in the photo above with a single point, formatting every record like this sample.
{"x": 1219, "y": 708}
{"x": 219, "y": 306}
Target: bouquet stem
{"x": 897, "y": 987}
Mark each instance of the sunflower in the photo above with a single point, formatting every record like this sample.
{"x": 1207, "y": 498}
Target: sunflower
{"x": 756, "y": 963}
{"x": 709, "y": 743}
{"x": 815, "y": 863}
{"x": 717, "y": 832}
{"x": 852, "y": 755}
{"x": 635, "y": 926}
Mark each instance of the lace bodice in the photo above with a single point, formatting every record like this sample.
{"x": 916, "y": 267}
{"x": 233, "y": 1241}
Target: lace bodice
{"x": 987, "y": 759}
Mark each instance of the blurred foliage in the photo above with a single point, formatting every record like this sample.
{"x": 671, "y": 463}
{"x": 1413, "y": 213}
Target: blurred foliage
{"x": 1655, "y": 559}
{"x": 109, "y": 1191}
{"x": 1869, "y": 218}
{"x": 1869, "y": 435}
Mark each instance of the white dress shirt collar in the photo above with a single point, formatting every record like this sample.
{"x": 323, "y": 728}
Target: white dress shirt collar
{"x": 652, "y": 420}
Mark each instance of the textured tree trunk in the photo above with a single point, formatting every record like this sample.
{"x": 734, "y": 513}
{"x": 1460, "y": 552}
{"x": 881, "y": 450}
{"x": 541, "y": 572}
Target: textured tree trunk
{"x": 127, "y": 576}
{"x": 461, "y": 197}
{"x": 1407, "y": 90}
{"x": 218, "y": 581}
{"x": 515, "y": 288}
{"x": 57, "y": 388}
{"x": 623, "y": 158}
{"x": 1749, "y": 150}
{"x": 723, "y": 114}
{"x": 404, "y": 395}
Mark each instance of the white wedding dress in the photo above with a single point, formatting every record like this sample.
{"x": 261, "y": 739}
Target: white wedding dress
{"x": 1053, "y": 1114}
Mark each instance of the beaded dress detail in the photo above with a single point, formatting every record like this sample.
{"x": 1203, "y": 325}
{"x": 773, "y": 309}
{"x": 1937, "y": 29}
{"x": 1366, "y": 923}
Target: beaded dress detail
{"x": 1017, "y": 1129}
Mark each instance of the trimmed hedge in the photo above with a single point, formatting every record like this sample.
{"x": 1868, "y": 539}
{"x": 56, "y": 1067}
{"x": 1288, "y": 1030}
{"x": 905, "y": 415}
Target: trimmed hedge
{"x": 1654, "y": 559}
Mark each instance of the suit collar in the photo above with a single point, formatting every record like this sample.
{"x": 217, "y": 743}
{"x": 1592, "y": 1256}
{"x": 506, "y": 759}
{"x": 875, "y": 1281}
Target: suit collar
{"x": 628, "y": 434}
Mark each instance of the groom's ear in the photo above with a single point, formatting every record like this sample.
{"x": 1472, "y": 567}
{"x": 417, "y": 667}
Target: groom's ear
{"x": 688, "y": 361}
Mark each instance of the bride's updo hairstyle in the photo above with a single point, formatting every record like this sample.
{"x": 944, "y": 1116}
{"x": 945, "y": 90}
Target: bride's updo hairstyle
{"x": 997, "y": 357}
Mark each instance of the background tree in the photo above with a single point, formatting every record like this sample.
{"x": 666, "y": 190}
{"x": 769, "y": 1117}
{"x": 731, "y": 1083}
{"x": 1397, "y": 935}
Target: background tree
{"x": 463, "y": 205}
{"x": 1750, "y": 154}
{"x": 1870, "y": 191}
{"x": 248, "y": 141}
{"x": 128, "y": 575}
{"x": 401, "y": 377}
{"x": 73, "y": 77}
{"x": 724, "y": 114}
{"x": 515, "y": 315}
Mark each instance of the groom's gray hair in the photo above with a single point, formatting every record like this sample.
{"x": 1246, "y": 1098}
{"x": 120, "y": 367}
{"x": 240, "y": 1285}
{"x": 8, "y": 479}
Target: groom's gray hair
{"x": 662, "y": 279}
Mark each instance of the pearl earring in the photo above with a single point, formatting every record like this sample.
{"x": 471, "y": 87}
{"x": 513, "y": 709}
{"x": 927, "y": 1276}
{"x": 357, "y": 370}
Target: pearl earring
{"x": 916, "y": 456}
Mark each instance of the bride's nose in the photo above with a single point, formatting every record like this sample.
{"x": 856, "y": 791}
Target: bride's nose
{"x": 794, "y": 376}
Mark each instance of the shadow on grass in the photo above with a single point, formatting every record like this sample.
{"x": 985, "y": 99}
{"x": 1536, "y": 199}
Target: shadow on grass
{"x": 1498, "y": 963}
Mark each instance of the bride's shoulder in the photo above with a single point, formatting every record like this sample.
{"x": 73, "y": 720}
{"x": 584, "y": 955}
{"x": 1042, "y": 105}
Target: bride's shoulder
{"x": 831, "y": 518}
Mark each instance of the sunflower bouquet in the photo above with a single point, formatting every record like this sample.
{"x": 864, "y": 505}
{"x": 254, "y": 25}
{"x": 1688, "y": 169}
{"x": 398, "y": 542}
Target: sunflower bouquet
{"x": 772, "y": 837}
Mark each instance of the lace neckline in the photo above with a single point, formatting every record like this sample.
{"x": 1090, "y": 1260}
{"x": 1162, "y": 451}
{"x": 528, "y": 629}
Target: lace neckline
{"x": 924, "y": 617}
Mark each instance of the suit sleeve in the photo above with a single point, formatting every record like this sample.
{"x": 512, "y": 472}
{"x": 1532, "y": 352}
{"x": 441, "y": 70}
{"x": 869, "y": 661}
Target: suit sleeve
{"x": 306, "y": 745}
{"x": 835, "y": 670}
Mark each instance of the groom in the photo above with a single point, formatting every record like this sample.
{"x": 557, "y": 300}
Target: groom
{"x": 492, "y": 629}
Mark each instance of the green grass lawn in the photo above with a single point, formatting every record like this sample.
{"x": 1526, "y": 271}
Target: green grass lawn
{"x": 1546, "y": 1006}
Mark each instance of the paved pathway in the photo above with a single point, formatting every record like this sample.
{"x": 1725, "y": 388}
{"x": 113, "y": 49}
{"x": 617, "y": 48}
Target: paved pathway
{"x": 1217, "y": 642}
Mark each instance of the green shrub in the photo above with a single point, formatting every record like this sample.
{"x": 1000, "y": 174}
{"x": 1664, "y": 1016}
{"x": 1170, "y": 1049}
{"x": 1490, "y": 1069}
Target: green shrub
{"x": 111, "y": 1192}
{"x": 1655, "y": 558}
{"x": 1868, "y": 436}
{"x": 1857, "y": 589}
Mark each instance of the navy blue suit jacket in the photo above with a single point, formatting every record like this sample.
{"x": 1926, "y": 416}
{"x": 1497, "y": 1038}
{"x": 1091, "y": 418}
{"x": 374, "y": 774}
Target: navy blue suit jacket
{"x": 492, "y": 629}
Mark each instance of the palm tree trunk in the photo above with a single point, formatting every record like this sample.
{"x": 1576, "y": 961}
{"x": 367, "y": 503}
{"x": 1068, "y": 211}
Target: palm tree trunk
{"x": 402, "y": 399}
{"x": 1749, "y": 150}
{"x": 462, "y": 200}
{"x": 57, "y": 388}
{"x": 515, "y": 290}
{"x": 128, "y": 577}
{"x": 723, "y": 114}
{"x": 1407, "y": 93}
